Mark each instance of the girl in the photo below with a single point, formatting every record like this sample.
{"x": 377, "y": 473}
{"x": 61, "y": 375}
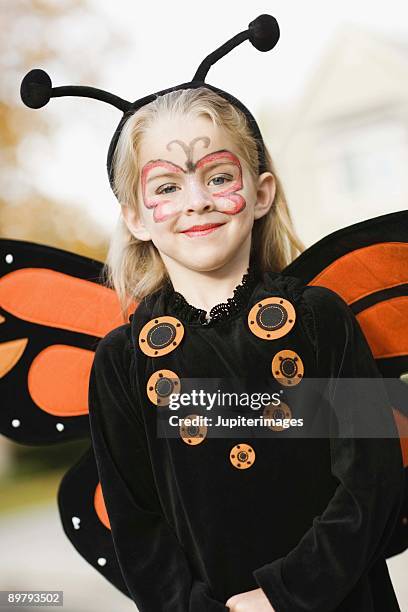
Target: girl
{"x": 238, "y": 520}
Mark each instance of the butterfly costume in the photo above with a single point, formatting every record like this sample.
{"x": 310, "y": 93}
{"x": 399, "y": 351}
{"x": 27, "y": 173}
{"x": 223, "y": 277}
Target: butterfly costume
{"x": 176, "y": 516}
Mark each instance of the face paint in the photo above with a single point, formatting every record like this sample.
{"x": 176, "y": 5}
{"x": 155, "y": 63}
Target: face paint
{"x": 162, "y": 208}
{"x": 227, "y": 199}
{"x": 188, "y": 150}
{"x": 230, "y": 192}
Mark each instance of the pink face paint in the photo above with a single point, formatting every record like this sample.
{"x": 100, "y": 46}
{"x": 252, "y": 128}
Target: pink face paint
{"x": 230, "y": 192}
{"x": 163, "y": 209}
{"x": 228, "y": 200}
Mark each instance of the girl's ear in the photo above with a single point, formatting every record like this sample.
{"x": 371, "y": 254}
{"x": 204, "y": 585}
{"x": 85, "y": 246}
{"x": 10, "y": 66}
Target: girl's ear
{"x": 134, "y": 223}
{"x": 265, "y": 194}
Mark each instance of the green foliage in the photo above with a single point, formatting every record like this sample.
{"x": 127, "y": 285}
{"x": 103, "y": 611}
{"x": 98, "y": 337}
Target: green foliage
{"x": 30, "y": 460}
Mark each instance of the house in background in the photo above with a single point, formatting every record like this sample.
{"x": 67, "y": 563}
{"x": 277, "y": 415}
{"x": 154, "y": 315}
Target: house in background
{"x": 342, "y": 148}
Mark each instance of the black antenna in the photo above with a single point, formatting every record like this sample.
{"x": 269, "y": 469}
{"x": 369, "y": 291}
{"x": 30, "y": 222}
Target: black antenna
{"x": 263, "y": 32}
{"x": 36, "y": 90}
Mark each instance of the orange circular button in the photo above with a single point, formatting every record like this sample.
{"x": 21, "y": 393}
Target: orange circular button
{"x": 287, "y": 368}
{"x": 271, "y": 318}
{"x": 160, "y": 336}
{"x": 161, "y": 385}
{"x": 242, "y": 456}
{"x": 277, "y": 412}
{"x": 191, "y": 430}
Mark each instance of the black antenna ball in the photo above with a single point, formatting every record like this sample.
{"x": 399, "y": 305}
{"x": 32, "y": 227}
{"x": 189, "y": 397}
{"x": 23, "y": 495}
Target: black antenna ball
{"x": 36, "y": 88}
{"x": 264, "y": 32}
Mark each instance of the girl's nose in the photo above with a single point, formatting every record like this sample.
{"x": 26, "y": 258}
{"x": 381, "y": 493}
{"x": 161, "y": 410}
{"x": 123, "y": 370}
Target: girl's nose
{"x": 198, "y": 197}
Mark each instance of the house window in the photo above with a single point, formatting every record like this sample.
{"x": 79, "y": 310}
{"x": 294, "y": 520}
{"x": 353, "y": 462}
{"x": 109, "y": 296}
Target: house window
{"x": 366, "y": 161}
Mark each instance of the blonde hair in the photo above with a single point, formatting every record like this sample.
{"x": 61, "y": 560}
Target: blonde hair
{"x": 133, "y": 267}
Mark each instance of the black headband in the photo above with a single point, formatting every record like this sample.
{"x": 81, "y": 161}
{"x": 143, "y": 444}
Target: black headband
{"x": 36, "y": 87}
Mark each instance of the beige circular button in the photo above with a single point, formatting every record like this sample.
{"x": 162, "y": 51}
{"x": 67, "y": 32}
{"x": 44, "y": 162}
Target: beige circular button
{"x": 191, "y": 431}
{"x": 287, "y": 368}
{"x": 160, "y": 336}
{"x": 242, "y": 456}
{"x": 271, "y": 318}
{"x": 277, "y": 412}
{"x": 161, "y": 385}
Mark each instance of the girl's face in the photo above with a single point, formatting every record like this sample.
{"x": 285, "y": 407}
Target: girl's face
{"x": 192, "y": 175}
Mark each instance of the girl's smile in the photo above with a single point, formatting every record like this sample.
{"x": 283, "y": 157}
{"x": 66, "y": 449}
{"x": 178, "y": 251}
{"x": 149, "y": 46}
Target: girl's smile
{"x": 202, "y": 230}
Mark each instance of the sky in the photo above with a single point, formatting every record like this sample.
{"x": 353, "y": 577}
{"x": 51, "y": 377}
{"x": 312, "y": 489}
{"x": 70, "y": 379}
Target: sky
{"x": 164, "y": 42}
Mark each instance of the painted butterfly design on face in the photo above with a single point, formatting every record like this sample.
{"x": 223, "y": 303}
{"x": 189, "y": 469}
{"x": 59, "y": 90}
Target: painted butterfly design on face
{"x": 55, "y": 309}
{"x": 165, "y": 205}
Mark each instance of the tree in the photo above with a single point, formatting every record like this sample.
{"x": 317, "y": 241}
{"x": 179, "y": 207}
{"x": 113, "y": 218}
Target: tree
{"x": 44, "y": 33}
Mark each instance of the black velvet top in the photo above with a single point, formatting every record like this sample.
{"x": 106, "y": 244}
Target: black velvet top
{"x": 199, "y": 516}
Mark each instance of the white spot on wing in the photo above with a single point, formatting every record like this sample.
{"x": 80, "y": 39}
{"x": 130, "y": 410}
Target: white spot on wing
{"x": 76, "y": 522}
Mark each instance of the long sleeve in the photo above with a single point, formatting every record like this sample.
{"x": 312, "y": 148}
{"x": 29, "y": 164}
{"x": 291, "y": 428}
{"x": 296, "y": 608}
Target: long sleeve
{"x": 352, "y": 532}
{"x": 151, "y": 559}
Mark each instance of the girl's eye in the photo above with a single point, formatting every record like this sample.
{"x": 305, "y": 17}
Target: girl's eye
{"x": 220, "y": 179}
{"x": 167, "y": 189}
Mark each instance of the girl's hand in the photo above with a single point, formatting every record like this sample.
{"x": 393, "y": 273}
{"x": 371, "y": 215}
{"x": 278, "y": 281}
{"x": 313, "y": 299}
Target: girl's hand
{"x": 250, "y": 601}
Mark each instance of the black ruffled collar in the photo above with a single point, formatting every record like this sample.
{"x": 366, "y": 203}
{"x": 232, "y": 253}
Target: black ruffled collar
{"x": 177, "y": 304}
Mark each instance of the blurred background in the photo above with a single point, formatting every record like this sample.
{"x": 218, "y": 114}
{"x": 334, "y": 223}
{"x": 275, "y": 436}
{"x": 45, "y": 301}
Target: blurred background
{"x": 331, "y": 100}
